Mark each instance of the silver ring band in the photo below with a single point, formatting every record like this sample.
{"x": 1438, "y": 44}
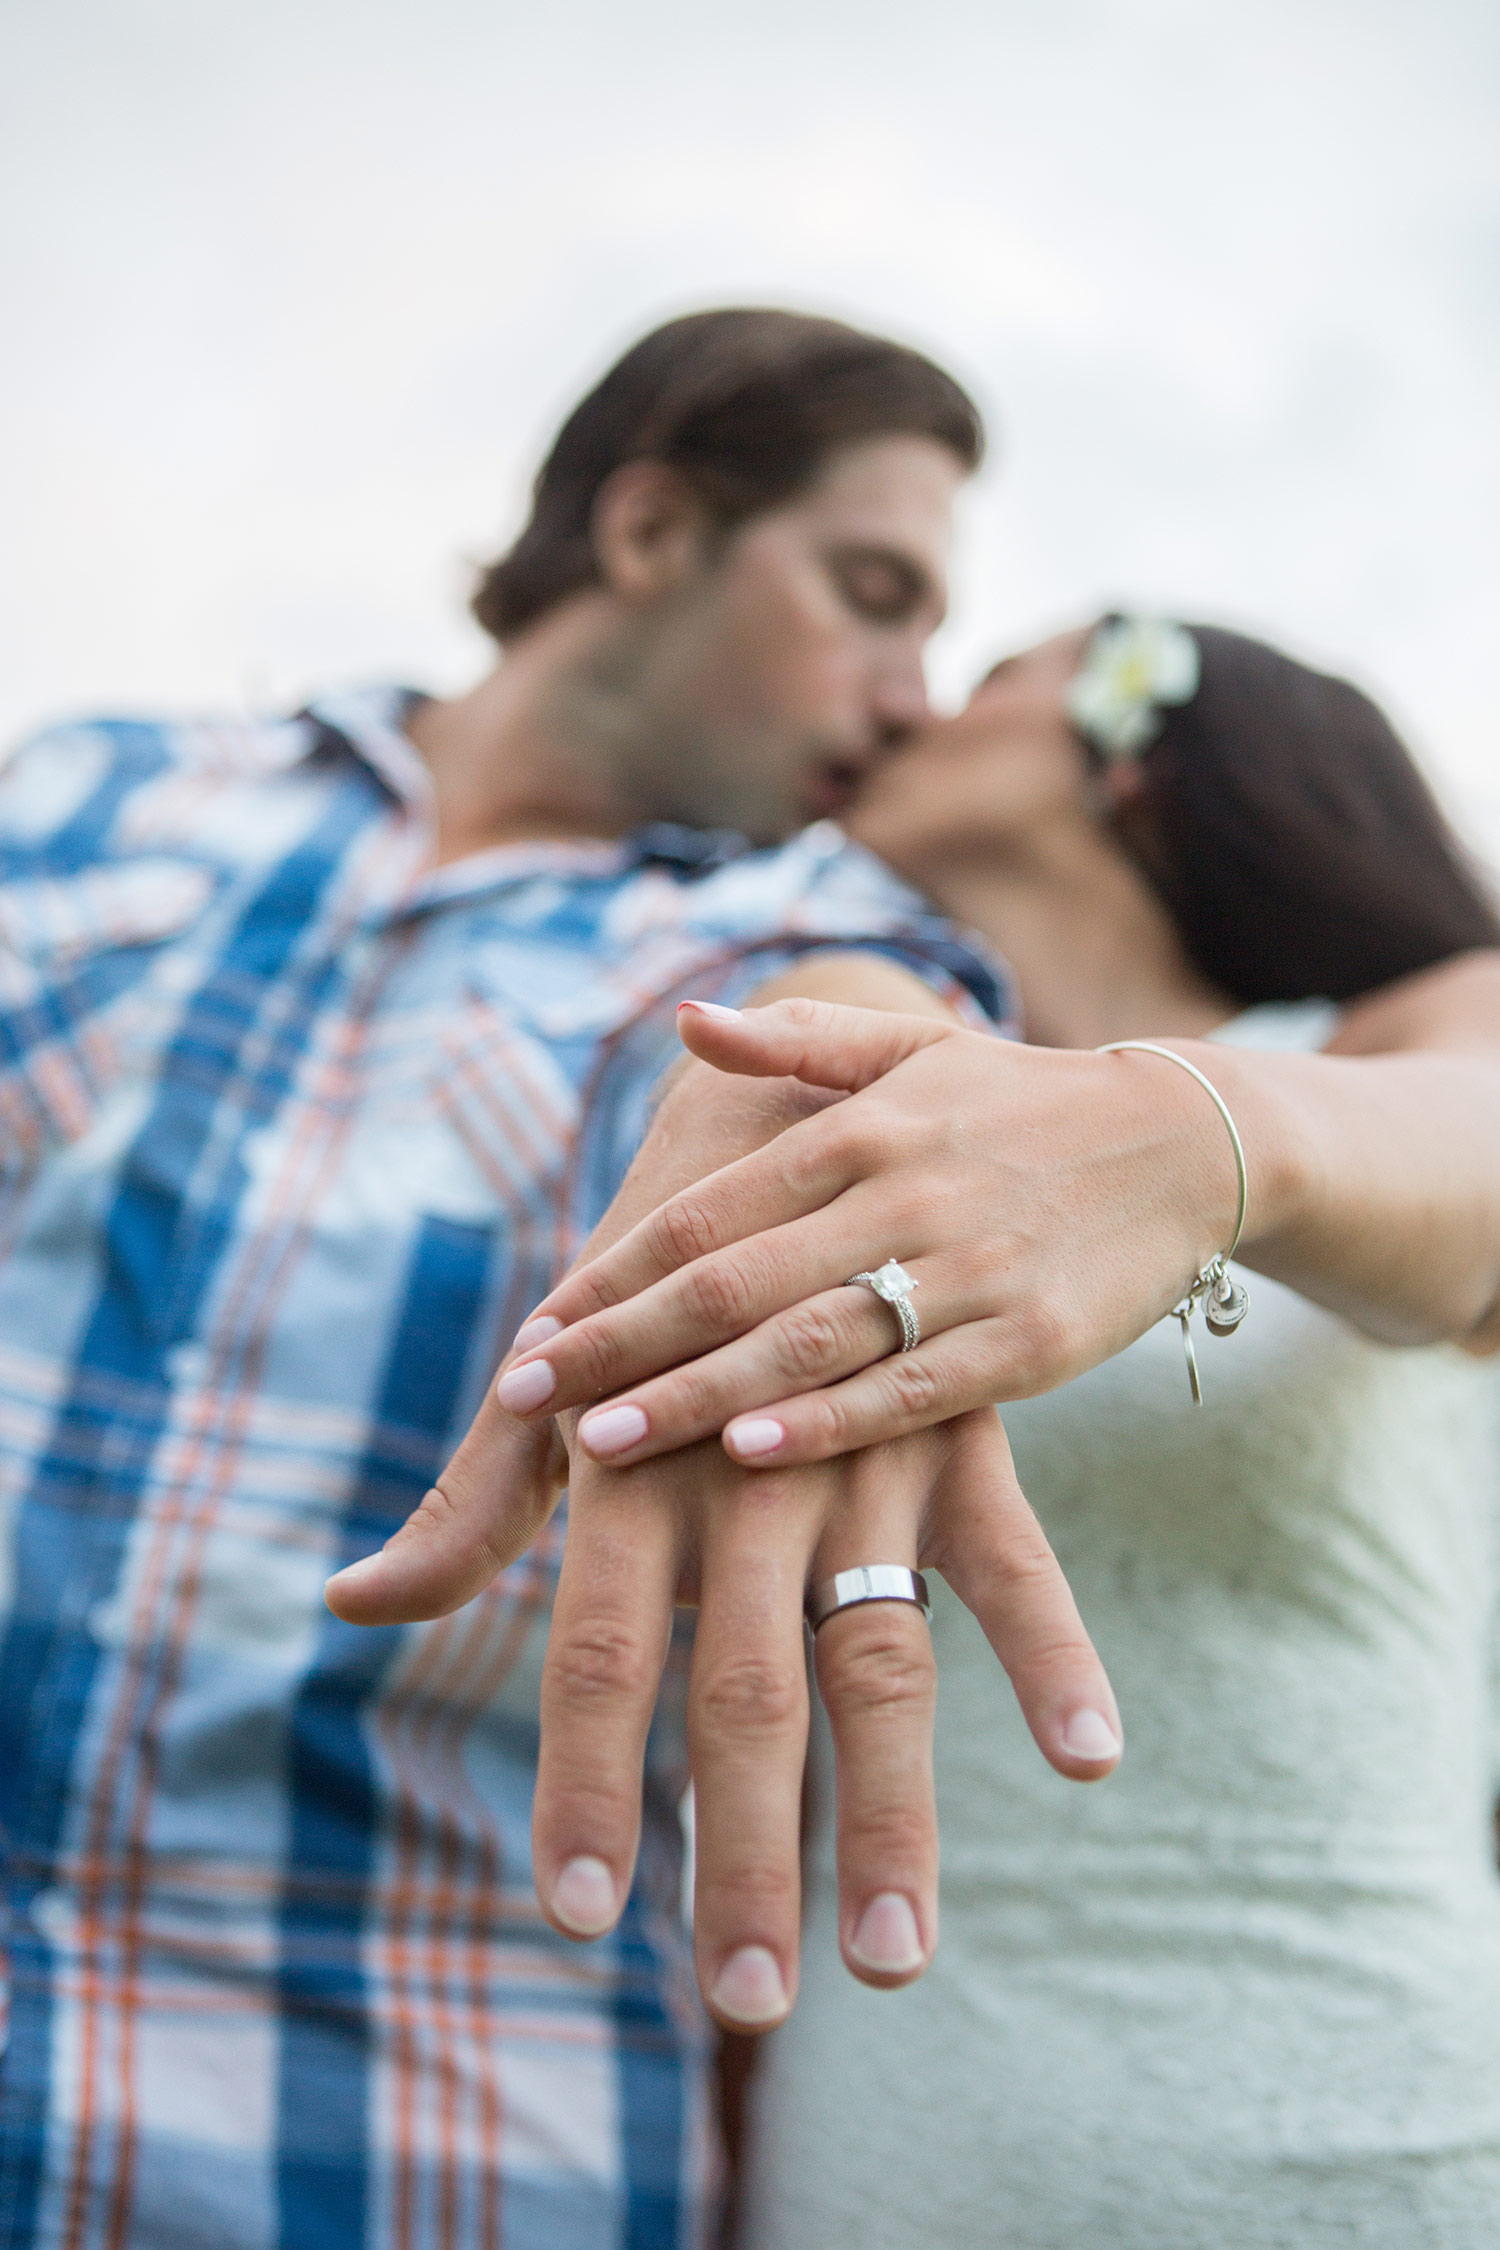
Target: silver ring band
{"x": 893, "y": 1285}
{"x": 869, "y": 1582}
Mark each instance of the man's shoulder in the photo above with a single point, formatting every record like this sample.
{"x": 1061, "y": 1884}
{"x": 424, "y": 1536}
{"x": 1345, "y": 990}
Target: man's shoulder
{"x": 820, "y": 889}
{"x": 230, "y": 743}
{"x": 65, "y": 788}
{"x": 818, "y": 880}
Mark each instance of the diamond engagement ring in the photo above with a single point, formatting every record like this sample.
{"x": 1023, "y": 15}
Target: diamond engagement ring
{"x": 868, "y": 1582}
{"x": 893, "y": 1285}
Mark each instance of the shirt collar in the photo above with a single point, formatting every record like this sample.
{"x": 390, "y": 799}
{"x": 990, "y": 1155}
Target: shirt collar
{"x": 372, "y": 721}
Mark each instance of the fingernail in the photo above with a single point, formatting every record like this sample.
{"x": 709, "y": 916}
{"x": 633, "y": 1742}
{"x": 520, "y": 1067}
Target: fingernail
{"x": 355, "y": 1573}
{"x": 522, "y": 1388}
{"x": 535, "y": 1332}
{"x": 612, "y": 1429}
{"x": 584, "y": 1897}
{"x": 887, "y": 1937}
{"x": 752, "y": 1439}
{"x": 1088, "y": 1734}
{"x": 749, "y": 1987}
{"x": 711, "y": 1008}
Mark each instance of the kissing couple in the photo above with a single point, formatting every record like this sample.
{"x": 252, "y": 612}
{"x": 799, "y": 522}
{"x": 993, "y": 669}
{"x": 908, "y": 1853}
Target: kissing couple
{"x": 771, "y": 1079}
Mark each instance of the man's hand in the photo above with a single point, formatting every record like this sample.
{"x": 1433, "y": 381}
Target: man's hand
{"x": 745, "y": 1548}
{"x": 695, "y": 1528}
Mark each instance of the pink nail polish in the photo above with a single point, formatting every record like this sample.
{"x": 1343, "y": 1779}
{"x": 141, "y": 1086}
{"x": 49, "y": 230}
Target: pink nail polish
{"x": 612, "y": 1429}
{"x": 711, "y": 1008}
{"x": 535, "y": 1331}
{"x": 529, "y": 1385}
{"x": 753, "y": 1440}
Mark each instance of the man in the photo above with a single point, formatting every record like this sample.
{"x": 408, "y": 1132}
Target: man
{"x": 326, "y": 1043}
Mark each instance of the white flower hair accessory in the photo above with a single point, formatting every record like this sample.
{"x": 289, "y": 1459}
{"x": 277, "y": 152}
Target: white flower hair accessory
{"x": 1133, "y": 669}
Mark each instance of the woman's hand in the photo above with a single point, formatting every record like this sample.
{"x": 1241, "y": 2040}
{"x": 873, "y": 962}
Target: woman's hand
{"x": 1051, "y": 1206}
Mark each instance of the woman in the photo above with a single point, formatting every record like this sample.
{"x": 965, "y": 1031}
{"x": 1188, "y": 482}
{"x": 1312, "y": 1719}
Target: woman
{"x": 1249, "y": 1993}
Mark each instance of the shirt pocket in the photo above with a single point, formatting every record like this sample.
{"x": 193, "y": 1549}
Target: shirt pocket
{"x": 81, "y": 991}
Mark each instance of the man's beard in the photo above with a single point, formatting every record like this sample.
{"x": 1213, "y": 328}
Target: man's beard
{"x": 679, "y": 773}
{"x": 661, "y": 765}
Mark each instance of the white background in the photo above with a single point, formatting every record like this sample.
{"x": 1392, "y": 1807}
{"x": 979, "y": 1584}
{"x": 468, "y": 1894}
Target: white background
{"x": 294, "y": 291}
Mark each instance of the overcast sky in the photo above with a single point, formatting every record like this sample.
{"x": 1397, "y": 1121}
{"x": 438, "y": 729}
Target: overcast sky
{"x": 294, "y": 293}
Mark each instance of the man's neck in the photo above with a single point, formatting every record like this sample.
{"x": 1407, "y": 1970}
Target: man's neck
{"x": 511, "y": 761}
{"x": 1096, "y": 954}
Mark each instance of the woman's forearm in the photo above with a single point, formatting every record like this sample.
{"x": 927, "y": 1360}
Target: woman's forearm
{"x": 1379, "y": 1184}
{"x": 1048, "y": 1205}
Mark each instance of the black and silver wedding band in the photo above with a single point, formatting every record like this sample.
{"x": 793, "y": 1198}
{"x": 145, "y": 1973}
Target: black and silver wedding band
{"x": 868, "y": 1582}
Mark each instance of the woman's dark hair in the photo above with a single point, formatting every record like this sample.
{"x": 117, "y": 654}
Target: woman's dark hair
{"x": 1288, "y": 829}
{"x": 747, "y": 405}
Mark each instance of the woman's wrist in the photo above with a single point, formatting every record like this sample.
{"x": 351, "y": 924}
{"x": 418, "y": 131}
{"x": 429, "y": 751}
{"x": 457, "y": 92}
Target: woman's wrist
{"x": 1284, "y": 1152}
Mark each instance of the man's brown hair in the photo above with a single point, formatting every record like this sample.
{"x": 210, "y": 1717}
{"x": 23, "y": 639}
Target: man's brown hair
{"x": 747, "y": 405}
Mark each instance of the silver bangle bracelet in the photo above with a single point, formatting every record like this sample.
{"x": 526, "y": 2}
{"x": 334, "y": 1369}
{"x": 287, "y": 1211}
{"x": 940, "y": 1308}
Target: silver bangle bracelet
{"x": 1225, "y": 1301}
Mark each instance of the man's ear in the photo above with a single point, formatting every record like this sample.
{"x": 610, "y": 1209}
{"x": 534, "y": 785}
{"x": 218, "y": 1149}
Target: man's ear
{"x": 650, "y": 530}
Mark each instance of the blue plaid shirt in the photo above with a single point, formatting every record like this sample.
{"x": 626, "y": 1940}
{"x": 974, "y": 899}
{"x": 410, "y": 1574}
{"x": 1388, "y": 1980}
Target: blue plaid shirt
{"x": 293, "y": 1132}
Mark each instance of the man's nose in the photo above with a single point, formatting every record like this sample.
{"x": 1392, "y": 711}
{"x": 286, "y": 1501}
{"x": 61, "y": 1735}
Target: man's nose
{"x": 900, "y": 698}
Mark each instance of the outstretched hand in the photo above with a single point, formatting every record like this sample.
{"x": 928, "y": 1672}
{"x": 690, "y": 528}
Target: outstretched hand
{"x": 1050, "y": 1206}
{"x": 694, "y": 1528}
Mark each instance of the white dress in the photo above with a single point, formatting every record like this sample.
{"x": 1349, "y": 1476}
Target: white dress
{"x": 1246, "y": 1993}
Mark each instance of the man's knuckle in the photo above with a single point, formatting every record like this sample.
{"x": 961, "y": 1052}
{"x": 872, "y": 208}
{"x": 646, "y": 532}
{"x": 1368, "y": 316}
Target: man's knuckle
{"x": 1023, "y": 1563}
{"x": 881, "y": 1669}
{"x": 749, "y": 1694}
{"x": 600, "y": 1663}
{"x": 769, "y": 1496}
{"x": 763, "y": 1892}
{"x": 1057, "y": 1656}
{"x": 890, "y": 1835}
